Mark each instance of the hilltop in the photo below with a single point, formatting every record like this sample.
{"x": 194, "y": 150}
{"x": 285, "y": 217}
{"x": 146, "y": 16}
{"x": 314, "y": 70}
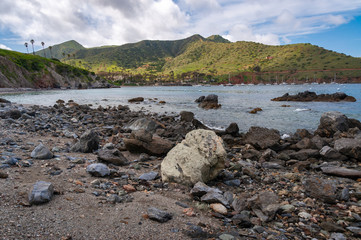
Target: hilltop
{"x": 214, "y": 58}
{"x": 29, "y": 71}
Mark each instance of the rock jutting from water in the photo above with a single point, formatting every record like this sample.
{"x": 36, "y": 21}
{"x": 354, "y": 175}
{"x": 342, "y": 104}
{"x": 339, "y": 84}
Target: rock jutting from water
{"x": 308, "y": 96}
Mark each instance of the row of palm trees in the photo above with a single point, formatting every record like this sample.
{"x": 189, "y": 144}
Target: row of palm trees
{"x": 42, "y": 43}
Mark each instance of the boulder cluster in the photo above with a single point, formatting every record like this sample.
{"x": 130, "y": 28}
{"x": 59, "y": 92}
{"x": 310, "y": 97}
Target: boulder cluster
{"x": 308, "y": 96}
{"x": 219, "y": 184}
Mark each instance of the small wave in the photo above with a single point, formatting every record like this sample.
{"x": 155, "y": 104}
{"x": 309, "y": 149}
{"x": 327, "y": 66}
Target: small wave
{"x": 302, "y": 109}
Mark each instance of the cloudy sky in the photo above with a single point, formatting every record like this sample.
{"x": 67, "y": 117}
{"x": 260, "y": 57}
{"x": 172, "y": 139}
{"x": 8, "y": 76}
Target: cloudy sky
{"x": 332, "y": 24}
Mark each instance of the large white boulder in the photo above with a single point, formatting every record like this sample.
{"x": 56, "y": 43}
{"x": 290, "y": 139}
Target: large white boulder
{"x": 198, "y": 158}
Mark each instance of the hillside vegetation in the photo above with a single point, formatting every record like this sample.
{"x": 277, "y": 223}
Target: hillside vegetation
{"x": 26, "y": 70}
{"x": 215, "y": 58}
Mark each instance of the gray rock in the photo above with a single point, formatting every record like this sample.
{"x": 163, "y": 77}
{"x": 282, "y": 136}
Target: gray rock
{"x": 142, "y": 135}
{"x": 149, "y": 176}
{"x": 324, "y": 190}
{"x": 143, "y": 123}
{"x": 355, "y": 230}
{"x": 113, "y": 156}
{"x": 226, "y": 236}
{"x": 265, "y": 205}
{"x": 201, "y": 189}
{"x": 345, "y": 194}
{"x": 242, "y": 220}
{"x": 329, "y": 153}
{"x": 41, "y": 192}
{"x": 262, "y": 138}
{"x": 214, "y": 197}
{"x": 186, "y": 116}
{"x": 304, "y": 154}
{"x": 331, "y": 227}
{"x": 341, "y": 172}
{"x": 98, "y": 170}
{"x": 41, "y": 152}
{"x": 331, "y": 122}
{"x": 198, "y": 158}
{"x": 157, "y": 146}
{"x": 232, "y": 129}
{"x": 159, "y": 215}
{"x": 87, "y": 143}
{"x": 337, "y": 236}
{"x": 349, "y": 146}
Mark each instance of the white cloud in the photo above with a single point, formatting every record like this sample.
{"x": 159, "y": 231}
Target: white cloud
{"x": 114, "y": 22}
{"x": 2, "y": 46}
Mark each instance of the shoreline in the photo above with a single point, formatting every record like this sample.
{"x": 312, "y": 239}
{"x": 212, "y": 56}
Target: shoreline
{"x": 260, "y": 169}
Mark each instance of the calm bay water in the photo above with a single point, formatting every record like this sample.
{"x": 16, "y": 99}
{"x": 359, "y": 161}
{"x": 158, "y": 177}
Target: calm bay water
{"x": 236, "y": 102}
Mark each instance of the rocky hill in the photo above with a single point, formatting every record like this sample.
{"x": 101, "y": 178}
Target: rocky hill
{"x": 29, "y": 71}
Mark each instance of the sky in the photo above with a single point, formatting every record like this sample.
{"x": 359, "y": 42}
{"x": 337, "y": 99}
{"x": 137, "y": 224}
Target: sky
{"x": 332, "y": 24}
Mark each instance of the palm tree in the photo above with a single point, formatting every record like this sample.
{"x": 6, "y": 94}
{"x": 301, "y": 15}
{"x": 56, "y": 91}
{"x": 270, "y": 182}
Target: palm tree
{"x": 51, "y": 54}
{"x": 26, "y": 45}
{"x": 42, "y": 43}
{"x": 32, "y": 44}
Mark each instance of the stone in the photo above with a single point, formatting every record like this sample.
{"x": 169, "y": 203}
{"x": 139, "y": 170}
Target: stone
{"x": 3, "y": 175}
{"x": 350, "y": 147}
{"x": 113, "y": 156}
{"x": 214, "y": 197}
{"x": 41, "y": 152}
{"x": 287, "y": 208}
{"x": 136, "y": 99}
{"x": 209, "y": 102}
{"x": 329, "y": 153}
{"x": 144, "y": 123}
{"x": 41, "y": 192}
{"x": 87, "y": 143}
{"x": 98, "y": 170}
{"x": 331, "y": 122}
{"x": 331, "y": 227}
{"x": 201, "y": 189}
{"x": 186, "y": 116}
{"x": 142, "y": 135}
{"x": 226, "y": 236}
{"x": 262, "y": 138}
{"x": 219, "y": 208}
{"x": 304, "y": 154}
{"x": 355, "y": 230}
{"x": 306, "y": 143}
{"x": 3, "y": 100}
{"x": 159, "y": 215}
{"x": 233, "y": 129}
{"x": 149, "y": 176}
{"x": 242, "y": 220}
{"x": 325, "y": 190}
{"x": 158, "y": 146}
{"x": 265, "y": 205}
{"x": 308, "y": 96}
{"x": 342, "y": 172}
{"x": 198, "y": 158}
{"x": 337, "y": 236}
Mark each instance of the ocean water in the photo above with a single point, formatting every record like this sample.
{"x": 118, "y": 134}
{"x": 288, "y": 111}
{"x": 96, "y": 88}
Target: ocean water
{"x": 236, "y": 102}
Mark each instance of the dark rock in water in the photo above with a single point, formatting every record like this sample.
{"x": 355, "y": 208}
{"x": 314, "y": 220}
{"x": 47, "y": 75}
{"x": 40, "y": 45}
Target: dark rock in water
{"x": 41, "y": 152}
{"x": 137, "y": 99}
{"x": 341, "y": 172}
{"x": 233, "y": 129}
{"x": 144, "y": 123}
{"x": 41, "y": 192}
{"x": 186, "y": 116}
{"x": 308, "y": 96}
{"x": 3, "y": 100}
{"x": 255, "y": 110}
{"x": 159, "y": 215}
{"x": 200, "y": 99}
{"x": 87, "y": 143}
{"x": 149, "y": 176}
{"x": 98, "y": 170}
{"x": 324, "y": 190}
{"x": 209, "y": 102}
{"x": 262, "y": 138}
{"x": 350, "y": 147}
{"x": 113, "y": 156}
{"x": 158, "y": 146}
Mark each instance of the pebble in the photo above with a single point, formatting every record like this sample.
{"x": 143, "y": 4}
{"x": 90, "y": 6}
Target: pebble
{"x": 219, "y": 208}
{"x": 159, "y": 215}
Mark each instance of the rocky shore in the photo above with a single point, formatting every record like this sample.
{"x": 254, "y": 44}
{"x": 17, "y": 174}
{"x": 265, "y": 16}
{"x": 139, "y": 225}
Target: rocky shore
{"x": 308, "y": 96}
{"x": 71, "y": 171}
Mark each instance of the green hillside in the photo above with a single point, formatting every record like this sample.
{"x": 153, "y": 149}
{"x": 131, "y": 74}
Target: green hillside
{"x": 27, "y": 70}
{"x": 62, "y": 50}
{"x": 214, "y": 58}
